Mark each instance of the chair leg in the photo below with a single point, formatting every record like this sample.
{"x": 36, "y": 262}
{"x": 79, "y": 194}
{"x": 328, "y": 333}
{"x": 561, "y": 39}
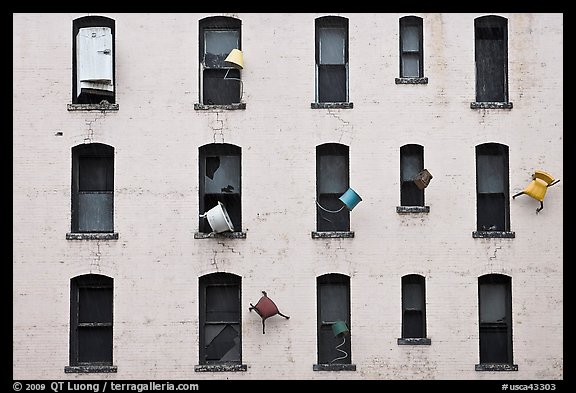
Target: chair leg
{"x": 263, "y": 326}
{"x": 520, "y": 193}
{"x": 540, "y": 208}
{"x": 282, "y": 315}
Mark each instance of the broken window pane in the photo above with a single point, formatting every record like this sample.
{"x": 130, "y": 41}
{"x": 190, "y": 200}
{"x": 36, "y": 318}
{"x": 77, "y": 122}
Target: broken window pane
{"x": 218, "y": 44}
{"x": 222, "y": 175}
{"x": 222, "y": 342}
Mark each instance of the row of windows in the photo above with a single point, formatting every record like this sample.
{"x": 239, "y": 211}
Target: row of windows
{"x": 93, "y": 60}
{"x": 91, "y": 320}
{"x": 220, "y": 182}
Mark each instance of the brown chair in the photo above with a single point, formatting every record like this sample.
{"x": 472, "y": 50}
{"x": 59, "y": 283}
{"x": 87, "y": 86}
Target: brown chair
{"x": 266, "y": 308}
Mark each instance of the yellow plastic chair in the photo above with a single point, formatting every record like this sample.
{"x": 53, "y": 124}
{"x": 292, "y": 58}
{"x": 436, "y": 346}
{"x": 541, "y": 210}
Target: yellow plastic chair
{"x": 538, "y": 187}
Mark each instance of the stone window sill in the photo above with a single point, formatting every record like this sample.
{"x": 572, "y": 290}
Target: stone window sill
{"x": 228, "y": 107}
{"x": 332, "y": 105}
{"x": 414, "y": 341}
{"x": 221, "y": 235}
{"x": 496, "y": 367}
{"x": 220, "y": 368}
{"x": 92, "y": 236}
{"x": 334, "y": 367}
{"x": 490, "y": 105}
{"x": 93, "y": 107}
{"x": 412, "y": 81}
{"x": 332, "y": 235}
{"x": 493, "y": 234}
{"x": 90, "y": 369}
{"x": 412, "y": 209}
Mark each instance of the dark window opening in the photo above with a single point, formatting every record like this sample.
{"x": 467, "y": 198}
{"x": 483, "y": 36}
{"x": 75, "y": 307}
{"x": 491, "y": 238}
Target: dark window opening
{"x": 413, "y": 307}
{"x": 332, "y": 180}
{"x": 495, "y": 306}
{"x": 220, "y": 319}
{"x": 92, "y": 188}
{"x": 91, "y": 320}
{"x": 332, "y": 59}
{"x": 411, "y": 47}
{"x": 411, "y": 163}
{"x": 220, "y": 181}
{"x": 333, "y": 297}
{"x": 491, "y": 54}
{"x": 93, "y": 60}
{"x": 492, "y": 187}
{"x": 220, "y": 82}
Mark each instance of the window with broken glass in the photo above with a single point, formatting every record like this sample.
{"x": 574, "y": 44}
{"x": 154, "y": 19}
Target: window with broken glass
{"x": 411, "y": 163}
{"x": 220, "y": 319}
{"x": 220, "y": 181}
{"x": 220, "y": 82}
{"x": 495, "y": 313}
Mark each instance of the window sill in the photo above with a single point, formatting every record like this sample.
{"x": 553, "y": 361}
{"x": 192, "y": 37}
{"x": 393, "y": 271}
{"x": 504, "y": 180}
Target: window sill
{"x": 92, "y": 236}
{"x": 90, "y": 369}
{"x": 496, "y": 367}
{"x": 490, "y": 105}
{"x": 228, "y": 107}
{"x": 334, "y": 367}
{"x": 104, "y": 106}
{"x": 412, "y": 209}
{"x": 332, "y": 105}
{"x": 493, "y": 234}
{"x": 414, "y": 341}
{"x": 332, "y": 234}
{"x": 221, "y": 235}
{"x": 220, "y": 368}
{"x": 412, "y": 81}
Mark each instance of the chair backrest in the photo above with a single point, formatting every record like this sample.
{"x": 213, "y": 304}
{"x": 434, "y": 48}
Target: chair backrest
{"x": 546, "y": 177}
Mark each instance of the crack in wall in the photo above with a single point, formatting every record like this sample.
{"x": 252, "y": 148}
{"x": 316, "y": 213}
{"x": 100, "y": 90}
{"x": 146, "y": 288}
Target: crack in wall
{"x": 90, "y": 137}
{"x": 345, "y": 124}
{"x": 231, "y": 249}
{"x": 218, "y": 125}
{"x": 95, "y": 265}
{"x": 495, "y": 250}
{"x": 214, "y": 262}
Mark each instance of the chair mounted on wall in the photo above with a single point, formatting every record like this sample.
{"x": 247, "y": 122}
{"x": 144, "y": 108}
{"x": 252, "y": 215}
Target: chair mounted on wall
{"x": 266, "y": 308}
{"x": 538, "y": 187}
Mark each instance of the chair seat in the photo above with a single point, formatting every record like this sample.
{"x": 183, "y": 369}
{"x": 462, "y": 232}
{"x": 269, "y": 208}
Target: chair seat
{"x": 537, "y": 189}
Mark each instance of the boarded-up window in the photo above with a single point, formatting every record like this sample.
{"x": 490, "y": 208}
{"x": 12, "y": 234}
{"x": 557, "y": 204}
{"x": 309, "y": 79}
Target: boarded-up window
{"x": 333, "y": 304}
{"x": 413, "y": 307}
{"x": 220, "y": 322}
{"x": 220, "y": 83}
{"x": 332, "y": 180}
{"x": 332, "y": 59}
{"x": 491, "y": 54}
{"x": 495, "y": 312}
{"x": 92, "y": 188}
{"x": 91, "y": 320}
{"x": 93, "y": 60}
{"x": 220, "y": 181}
{"x": 411, "y": 47}
{"x": 411, "y": 163}
{"x": 492, "y": 187}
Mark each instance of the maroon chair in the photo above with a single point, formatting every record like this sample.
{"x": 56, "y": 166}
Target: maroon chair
{"x": 266, "y": 308}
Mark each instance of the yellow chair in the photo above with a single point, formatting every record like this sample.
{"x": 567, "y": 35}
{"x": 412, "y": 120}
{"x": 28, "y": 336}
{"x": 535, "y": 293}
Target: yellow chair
{"x": 538, "y": 187}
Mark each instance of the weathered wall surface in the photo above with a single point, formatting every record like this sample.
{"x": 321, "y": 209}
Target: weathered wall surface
{"x": 156, "y": 133}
